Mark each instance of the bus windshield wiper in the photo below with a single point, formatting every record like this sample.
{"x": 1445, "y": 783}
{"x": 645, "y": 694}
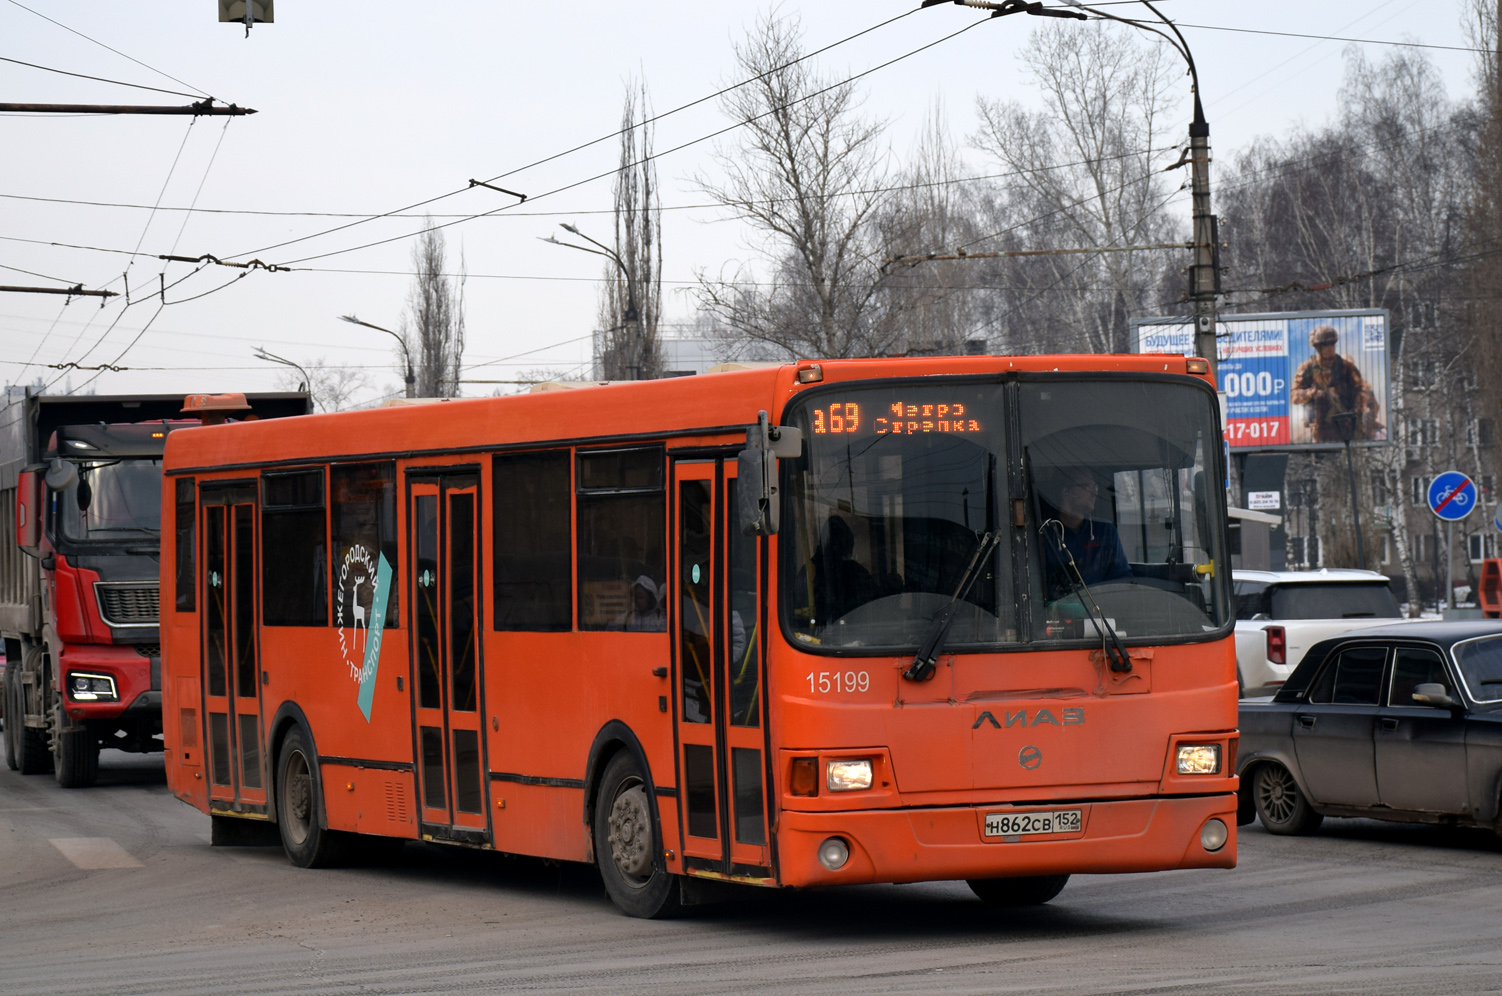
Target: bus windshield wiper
{"x": 1110, "y": 643}
{"x": 927, "y": 657}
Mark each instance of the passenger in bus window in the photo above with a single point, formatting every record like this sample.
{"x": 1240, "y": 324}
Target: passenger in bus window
{"x": 1094, "y": 544}
{"x": 645, "y": 614}
{"x": 841, "y": 583}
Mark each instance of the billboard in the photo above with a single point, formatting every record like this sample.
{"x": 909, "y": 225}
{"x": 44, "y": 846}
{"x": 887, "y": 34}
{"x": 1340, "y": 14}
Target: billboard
{"x": 1291, "y": 380}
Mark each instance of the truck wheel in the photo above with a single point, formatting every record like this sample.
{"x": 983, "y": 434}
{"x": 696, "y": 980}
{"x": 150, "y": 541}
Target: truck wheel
{"x": 77, "y": 761}
{"x": 299, "y": 807}
{"x": 1034, "y": 890}
{"x": 626, "y": 844}
{"x": 12, "y": 751}
{"x": 1281, "y": 807}
{"x": 31, "y": 755}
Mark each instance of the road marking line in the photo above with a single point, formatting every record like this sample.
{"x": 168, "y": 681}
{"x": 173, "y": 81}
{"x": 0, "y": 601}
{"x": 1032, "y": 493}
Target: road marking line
{"x": 91, "y": 853}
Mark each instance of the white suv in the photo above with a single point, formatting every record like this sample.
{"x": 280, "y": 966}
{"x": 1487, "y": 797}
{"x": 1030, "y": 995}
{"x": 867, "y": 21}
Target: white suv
{"x": 1281, "y": 614}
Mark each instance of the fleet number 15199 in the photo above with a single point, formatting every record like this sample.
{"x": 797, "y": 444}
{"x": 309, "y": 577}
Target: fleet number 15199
{"x": 824, "y": 682}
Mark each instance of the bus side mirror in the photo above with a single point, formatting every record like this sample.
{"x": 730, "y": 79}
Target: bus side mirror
{"x": 758, "y": 503}
{"x": 29, "y": 513}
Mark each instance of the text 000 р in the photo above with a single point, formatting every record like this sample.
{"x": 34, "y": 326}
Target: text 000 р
{"x": 1020, "y": 824}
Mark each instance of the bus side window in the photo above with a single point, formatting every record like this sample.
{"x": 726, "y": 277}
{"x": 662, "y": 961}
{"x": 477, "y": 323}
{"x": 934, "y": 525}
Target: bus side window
{"x": 364, "y": 530}
{"x": 533, "y": 563}
{"x": 622, "y": 537}
{"x": 294, "y": 549}
{"x": 186, "y": 502}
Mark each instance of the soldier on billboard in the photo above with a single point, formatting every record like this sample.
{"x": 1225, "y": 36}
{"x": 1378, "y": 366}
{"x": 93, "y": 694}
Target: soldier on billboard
{"x": 1328, "y": 384}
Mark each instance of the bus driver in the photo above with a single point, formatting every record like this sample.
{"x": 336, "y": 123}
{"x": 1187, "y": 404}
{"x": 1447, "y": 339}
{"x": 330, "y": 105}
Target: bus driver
{"x": 1094, "y": 544}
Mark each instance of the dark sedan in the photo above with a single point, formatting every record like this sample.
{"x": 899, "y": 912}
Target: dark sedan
{"x": 1394, "y": 723}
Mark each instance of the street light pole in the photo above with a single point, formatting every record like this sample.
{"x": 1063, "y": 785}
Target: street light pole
{"x": 411, "y": 378}
{"x": 631, "y": 319}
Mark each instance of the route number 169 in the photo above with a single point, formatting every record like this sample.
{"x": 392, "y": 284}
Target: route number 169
{"x": 825, "y": 682}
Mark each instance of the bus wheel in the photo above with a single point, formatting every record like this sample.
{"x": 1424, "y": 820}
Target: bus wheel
{"x": 77, "y": 761}
{"x": 625, "y": 844}
{"x": 299, "y": 792}
{"x": 1281, "y": 807}
{"x": 1034, "y": 890}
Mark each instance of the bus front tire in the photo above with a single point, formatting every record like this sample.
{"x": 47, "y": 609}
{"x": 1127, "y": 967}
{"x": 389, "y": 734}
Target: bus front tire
{"x": 299, "y": 803}
{"x": 77, "y": 761}
{"x": 626, "y": 844}
{"x": 1033, "y": 890}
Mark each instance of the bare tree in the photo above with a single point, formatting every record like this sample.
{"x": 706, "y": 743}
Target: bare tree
{"x": 807, "y": 174}
{"x": 433, "y": 322}
{"x": 333, "y": 388}
{"x": 625, "y": 346}
{"x": 1085, "y": 176}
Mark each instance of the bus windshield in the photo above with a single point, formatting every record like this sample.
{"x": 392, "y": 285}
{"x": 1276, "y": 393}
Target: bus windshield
{"x": 899, "y": 486}
{"x": 112, "y": 501}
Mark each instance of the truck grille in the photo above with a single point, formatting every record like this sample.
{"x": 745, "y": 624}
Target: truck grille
{"x": 127, "y": 603}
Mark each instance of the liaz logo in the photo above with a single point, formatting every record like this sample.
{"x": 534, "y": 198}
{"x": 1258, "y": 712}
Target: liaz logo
{"x": 1043, "y": 717}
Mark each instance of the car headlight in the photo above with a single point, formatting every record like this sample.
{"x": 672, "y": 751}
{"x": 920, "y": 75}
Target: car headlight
{"x": 86, "y": 687}
{"x": 848, "y": 776}
{"x": 1198, "y": 759}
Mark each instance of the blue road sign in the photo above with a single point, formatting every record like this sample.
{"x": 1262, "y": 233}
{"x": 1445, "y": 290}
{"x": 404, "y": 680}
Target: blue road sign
{"x": 1452, "y": 496}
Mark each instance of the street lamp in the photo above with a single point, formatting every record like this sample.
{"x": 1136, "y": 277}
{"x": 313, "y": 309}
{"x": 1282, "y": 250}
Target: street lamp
{"x": 631, "y": 318}
{"x": 1204, "y": 273}
{"x": 411, "y": 378}
{"x": 1345, "y": 425}
{"x": 261, "y": 354}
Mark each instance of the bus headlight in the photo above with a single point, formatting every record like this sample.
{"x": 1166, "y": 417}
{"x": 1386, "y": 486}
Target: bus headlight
{"x": 833, "y": 854}
{"x": 1213, "y": 835}
{"x": 86, "y": 687}
{"x": 848, "y": 776}
{"x": 1198, "y": 759}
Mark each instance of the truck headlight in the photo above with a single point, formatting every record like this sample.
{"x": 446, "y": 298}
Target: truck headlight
{"x": 848, "y": 776}
{"x": 1198, "y": 759}
{"x": 86, "y": 687}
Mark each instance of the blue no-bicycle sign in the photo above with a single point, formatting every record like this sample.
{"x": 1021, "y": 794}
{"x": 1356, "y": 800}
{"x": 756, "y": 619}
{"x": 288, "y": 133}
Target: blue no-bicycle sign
{"x": 1452, "y": 496}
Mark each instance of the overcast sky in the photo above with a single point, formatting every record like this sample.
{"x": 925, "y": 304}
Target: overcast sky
{"x": 368, "y": 107}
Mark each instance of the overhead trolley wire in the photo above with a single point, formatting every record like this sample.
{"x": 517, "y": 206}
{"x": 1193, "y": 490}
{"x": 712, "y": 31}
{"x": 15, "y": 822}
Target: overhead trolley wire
{"x": 98, "y": 79}
{"x": 101, "y": 44}
{"x": 596, "y": 141}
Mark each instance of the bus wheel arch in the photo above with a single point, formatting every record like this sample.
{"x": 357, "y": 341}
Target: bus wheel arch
{"x": 620, "y": 797}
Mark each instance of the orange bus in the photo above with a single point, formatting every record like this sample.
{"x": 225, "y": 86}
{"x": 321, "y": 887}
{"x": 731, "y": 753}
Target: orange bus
{"x": 887, "y": 620}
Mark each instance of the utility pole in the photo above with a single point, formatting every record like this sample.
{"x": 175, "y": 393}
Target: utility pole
{"x": 201, "y": 108}
{"x": 1204, "y": 273}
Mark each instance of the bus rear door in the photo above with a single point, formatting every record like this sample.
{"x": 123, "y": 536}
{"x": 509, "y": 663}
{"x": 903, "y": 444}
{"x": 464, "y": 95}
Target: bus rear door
{"x": 443, "y": 525}
{"x": 230, "y": 678}
{"x": 721, "y": 741}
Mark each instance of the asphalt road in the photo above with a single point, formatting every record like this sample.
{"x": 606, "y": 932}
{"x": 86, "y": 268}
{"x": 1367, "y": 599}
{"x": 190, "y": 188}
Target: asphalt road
{"x": 115, "y": 890}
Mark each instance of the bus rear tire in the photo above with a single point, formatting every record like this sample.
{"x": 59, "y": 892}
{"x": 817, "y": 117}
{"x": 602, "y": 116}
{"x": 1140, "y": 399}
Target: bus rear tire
{"x": 299, "y": 807}
{"x": 77, "y": 761}
{"x": 626, "y": 844}
{"x": 1033, "y": 890}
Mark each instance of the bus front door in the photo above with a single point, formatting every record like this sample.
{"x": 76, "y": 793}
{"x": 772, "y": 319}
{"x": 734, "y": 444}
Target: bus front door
{"x": 230, "y": 678}
{"x": 443, "y": 527}
{"x": 718, "y": 655}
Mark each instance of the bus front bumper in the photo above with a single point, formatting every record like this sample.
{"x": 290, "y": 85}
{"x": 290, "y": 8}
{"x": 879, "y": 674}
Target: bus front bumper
{"x": 942, "y": 843}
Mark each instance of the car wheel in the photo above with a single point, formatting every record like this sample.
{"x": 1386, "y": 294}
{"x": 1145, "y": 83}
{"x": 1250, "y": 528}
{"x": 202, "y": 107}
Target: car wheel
{"x": 1033, "y": 890}
{"x": 626, "y": 844}
{"x": 1281, "y": 807}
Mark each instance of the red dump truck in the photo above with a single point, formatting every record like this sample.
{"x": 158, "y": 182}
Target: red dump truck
{"x": 80, "y": 485}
